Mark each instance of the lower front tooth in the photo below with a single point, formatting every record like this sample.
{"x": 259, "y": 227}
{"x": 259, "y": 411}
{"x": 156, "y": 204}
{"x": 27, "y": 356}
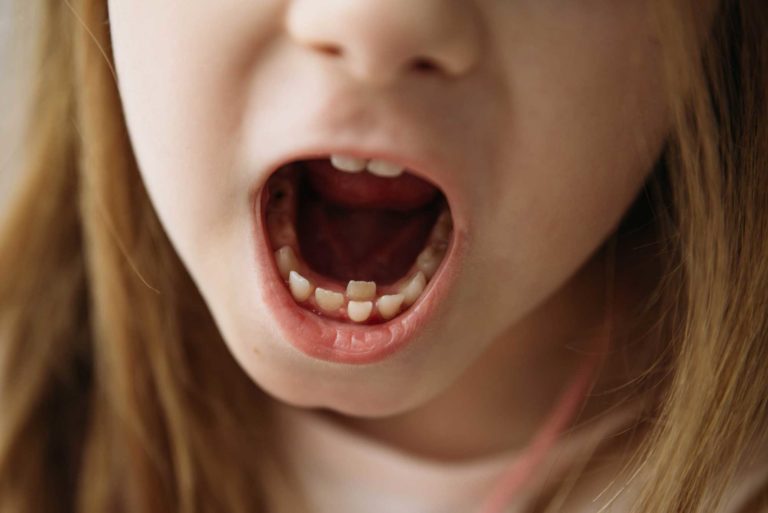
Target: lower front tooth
{"x": 328, "y": 300}
{"x": 414, "y": 288}
{"x": 359, "y": 311}
{"x": 389, "y": 306}
{"x": 301, "y": 288}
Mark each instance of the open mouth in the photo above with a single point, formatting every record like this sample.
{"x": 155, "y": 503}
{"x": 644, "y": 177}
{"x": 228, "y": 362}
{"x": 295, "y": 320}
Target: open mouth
{"x": 356, "y": 254}
{"x": 355, "y": 241}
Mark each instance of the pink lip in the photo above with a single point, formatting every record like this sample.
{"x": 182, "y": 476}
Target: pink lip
{"x": 334, "y": 341}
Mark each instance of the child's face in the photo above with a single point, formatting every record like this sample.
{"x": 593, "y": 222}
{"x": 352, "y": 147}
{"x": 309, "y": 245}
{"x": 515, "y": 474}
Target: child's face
{"x": 538, "y": 120}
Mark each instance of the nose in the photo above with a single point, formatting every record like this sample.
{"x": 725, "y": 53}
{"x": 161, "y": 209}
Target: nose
{"x": 379, "y": 41}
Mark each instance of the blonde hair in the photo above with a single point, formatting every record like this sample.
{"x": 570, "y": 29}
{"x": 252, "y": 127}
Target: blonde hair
{"x": 119, "y": 395}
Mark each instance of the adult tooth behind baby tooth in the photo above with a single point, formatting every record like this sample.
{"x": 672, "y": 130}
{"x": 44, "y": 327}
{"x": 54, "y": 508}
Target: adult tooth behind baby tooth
{"x": 361, "y": 290}
{"x": 359, "y": 311}
{"x": 328, "y": 300}
{"x": 286, "y": 261}
{"x": 301, "y": 288}
{"x": 389, "y": 306}
{"x": 385, "y": 169}
{"x": 414, "y": 288}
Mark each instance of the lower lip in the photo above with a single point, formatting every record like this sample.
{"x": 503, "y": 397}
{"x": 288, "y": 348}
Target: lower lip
{"x": 338, "y": 342}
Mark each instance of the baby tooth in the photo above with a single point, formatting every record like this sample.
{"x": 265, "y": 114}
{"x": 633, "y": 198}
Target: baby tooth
{"x": 286, "y": 261}
{"x": 414, "y": 288}
{"x": 328, "y": 300}
{"x": 389, "y": 306}
{"x": 359, "y": 311}
{"x": 348, "y": 164}
{"x": 428, "y": 261}
{"x": 301, "y": 288}
{"x": 361, "y": 290}
{"x": 384, "y": 168}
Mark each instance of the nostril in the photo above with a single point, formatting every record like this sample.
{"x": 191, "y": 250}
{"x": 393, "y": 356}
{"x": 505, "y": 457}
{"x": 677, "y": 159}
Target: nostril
{"x": 425, "y": 65}
{"x": 329, "y": 49}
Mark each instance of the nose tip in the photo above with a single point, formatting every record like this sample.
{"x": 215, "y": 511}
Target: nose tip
{"x": 379, "y": 41}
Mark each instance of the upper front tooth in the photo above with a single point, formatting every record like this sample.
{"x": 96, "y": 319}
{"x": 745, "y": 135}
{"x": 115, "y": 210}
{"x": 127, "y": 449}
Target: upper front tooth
{"x": 348, "y": 164}
{"x": 384, "y": 168}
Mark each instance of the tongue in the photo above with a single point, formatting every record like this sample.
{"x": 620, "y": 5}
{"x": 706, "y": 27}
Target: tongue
{"x": 406, "y": 192}
{"x": 363, "y": 227}
{"x": 362, "y": 244}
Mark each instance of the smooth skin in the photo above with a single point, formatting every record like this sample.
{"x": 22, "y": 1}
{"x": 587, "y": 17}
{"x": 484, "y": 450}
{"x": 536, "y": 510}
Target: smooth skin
{"x": 551, "y": 112}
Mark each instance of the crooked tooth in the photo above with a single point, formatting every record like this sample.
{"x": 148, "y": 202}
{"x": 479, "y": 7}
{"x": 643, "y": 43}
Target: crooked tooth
{"x": 361, "y": 290}
{"x": 384, "y": 168}
{"x": 348, "y": 164}
{"x": 359, "y": 311}
{"x": 286, "y": 261}
{"x": 389, "y": 306}
{"x": 328, "y": 300}
{"x": 301, "y": 288}
{"x": 414, "y": 288}
{"x": 429, "y": 260}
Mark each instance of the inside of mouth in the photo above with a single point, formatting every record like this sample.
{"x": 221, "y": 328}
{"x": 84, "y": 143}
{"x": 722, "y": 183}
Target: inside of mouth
{"x": 355, "y": 247}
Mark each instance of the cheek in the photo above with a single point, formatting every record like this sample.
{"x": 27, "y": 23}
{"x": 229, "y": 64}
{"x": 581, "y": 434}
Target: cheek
{"x": 183, "y": 98}
{"x": 586, "y": 123}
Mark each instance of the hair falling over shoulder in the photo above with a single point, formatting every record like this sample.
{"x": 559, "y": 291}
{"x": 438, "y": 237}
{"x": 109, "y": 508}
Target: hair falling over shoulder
{"x": 117, "y": 394}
